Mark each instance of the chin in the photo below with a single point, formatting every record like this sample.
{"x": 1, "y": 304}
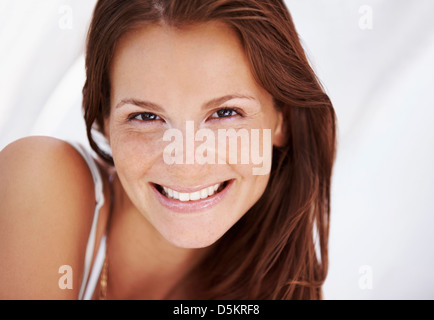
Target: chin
{"x": 193, "y": 240}
{"x": 194, "y": 236}
{"x": 192, "y": 243}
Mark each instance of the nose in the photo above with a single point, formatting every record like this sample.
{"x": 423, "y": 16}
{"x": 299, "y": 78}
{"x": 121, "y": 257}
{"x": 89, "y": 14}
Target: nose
{"x": 190, "y": 154}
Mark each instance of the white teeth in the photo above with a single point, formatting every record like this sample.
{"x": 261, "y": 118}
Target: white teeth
{"x": 184, "y": 196}
{"x": 195, "y": 196}
{"x": 210, "y": 191}
{"x": 201, "y": 194}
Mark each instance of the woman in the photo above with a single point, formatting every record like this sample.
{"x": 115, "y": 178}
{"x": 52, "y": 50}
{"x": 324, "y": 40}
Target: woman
{"x": 137, "y": 224}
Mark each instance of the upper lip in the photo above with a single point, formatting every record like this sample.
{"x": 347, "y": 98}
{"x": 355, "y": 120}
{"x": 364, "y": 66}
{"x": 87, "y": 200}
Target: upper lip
{"x": 189, "y": 189}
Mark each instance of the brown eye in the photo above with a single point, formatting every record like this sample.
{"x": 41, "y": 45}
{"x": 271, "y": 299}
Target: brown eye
{"x": 225, "y": 113}
{"x": 145, "y": 116}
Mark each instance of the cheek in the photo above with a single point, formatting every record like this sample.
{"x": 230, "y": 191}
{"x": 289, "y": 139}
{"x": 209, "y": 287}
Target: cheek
{"x": 254, "y": 154}
{"x": 134, "y": 152}
{"x": 254, "y": 187}
{"x": 251, "y": 186}
{"x": 255, "y": 175}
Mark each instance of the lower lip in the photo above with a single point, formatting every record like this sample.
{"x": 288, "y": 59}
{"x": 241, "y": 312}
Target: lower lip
{"x": 192, "y": 206}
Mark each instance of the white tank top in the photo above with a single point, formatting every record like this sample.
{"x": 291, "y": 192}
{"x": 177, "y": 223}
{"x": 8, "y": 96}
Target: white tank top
{"x": 90, "y": 277}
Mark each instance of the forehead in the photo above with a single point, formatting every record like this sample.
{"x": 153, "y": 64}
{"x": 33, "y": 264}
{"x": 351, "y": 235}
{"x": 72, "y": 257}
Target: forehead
{"x": 162, "y": 62}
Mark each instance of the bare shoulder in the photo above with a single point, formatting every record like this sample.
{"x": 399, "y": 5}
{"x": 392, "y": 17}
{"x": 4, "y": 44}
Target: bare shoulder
{"x": 46, "y": 206}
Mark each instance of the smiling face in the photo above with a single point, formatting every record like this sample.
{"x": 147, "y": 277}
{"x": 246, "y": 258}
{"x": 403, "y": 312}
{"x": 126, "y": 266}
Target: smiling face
{"x": 162, "y": 78}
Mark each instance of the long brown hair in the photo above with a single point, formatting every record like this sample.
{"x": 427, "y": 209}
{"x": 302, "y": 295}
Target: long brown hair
{"x": 278, "y": 250}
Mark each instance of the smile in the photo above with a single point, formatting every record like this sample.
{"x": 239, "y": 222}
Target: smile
{"x": 193, "y": 196}
{"x": 191, "y": 200}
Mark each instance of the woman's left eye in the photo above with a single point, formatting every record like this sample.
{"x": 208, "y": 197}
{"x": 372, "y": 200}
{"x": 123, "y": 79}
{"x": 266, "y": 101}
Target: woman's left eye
{"x": 225, "y": 113}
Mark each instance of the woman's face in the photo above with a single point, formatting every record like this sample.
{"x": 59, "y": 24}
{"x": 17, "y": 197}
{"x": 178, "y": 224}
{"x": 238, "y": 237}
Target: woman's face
{"x": 165, "y": 80}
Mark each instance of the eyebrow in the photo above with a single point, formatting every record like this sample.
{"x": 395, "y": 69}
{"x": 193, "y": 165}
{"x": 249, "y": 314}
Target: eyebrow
{"x": 208, "y": 105}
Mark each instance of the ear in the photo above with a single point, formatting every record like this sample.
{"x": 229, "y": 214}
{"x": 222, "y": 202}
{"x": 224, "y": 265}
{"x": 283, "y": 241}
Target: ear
{"x": 279, "y": 132}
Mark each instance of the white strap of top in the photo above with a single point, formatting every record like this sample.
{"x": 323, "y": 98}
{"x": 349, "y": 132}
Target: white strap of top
{"x": 99, "y": 197}
{"x": 96, "y": 270}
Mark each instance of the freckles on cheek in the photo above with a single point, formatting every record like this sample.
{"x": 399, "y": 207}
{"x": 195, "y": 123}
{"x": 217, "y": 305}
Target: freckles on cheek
{"x": 136, "y": 151}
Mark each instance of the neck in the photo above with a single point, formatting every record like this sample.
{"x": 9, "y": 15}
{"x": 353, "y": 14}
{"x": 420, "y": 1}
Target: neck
{"x": 142, "y": 264}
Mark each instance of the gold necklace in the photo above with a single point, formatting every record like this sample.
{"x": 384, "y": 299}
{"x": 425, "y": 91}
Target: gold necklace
{"x": 104, "y": 271}
{"x": 103, "y": 279}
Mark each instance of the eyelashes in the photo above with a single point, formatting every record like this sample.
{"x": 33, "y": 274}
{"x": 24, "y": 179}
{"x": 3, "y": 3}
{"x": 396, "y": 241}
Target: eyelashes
{"x": 144, "y": 116}
{"x": 223, "y": 113}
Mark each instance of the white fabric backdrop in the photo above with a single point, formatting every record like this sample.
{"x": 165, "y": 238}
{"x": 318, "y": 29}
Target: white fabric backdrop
{"x": 376, "y": 61}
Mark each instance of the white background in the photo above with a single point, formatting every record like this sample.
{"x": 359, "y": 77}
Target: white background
{"x": 376, "y": 61}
